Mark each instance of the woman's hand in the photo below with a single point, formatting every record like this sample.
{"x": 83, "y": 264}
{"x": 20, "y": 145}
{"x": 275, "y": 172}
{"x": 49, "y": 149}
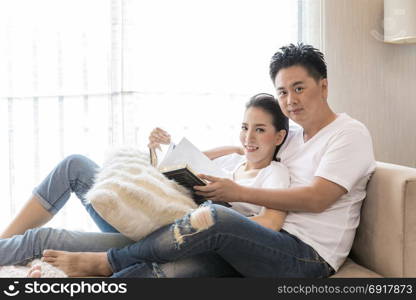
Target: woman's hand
{"x": 265, "y": 222}
{"x": 158, "y": 136}
{"x": 270, "y": 218}
{"x": 219, "y": 189}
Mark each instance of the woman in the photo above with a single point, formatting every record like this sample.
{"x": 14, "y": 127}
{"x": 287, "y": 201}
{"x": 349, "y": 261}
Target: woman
{"x": 263, "y": 130}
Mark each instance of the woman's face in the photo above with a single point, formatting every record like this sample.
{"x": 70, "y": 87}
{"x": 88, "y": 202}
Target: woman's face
{"x": 259, "y": 138}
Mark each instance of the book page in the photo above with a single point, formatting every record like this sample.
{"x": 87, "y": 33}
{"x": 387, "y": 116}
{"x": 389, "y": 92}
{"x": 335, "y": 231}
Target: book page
{"x": 162, "y": 153}
{"x": 186, "y": 153}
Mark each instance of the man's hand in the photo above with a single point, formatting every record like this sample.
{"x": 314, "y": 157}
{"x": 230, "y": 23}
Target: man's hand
{"x": 219, "y": 189}
{"x": 158, "y": 136}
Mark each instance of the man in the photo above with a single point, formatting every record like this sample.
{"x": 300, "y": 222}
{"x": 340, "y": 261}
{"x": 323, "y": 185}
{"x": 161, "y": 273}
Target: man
{"x": 330, "y": 159}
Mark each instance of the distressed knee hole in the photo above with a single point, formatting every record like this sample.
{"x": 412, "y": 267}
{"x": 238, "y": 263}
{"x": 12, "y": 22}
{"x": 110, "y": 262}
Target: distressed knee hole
{"x": 201, "y": 218}
{"x": 177, "y": 234}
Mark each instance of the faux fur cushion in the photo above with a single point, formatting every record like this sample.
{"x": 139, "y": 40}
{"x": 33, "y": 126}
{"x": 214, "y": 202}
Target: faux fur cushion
{"x": 134, "y": 197}
{"x": 47, "y": 270}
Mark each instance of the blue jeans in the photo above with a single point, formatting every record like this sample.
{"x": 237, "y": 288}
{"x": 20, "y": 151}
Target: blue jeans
{"x": 76, "y": 174}
{"x": 232, "y": 246}
{"x": 252, "y": 250}
{"x": 21, "y": 249}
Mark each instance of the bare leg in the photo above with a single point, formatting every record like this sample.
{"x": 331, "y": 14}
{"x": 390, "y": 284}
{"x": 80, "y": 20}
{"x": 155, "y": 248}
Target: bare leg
{"x": 79, "y": 264}
{"x": 34, "y": 272}
{"x": 32, "y": 215}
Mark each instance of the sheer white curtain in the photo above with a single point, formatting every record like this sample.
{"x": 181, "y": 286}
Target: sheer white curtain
{"x": 83, "y": 76}
{"x": 59, "y": 80}
{"x": 194, "y": 64}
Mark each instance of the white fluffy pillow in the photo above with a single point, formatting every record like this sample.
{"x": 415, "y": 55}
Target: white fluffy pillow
{"x": 17, "y": 271}
{"x": 134, "y": 197}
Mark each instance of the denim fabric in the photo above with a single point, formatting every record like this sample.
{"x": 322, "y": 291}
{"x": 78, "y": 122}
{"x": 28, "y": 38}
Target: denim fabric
{"x": 73, "y": 174}
{"x": 76, "y": 174}
{"x": 252, "y": 250}
{"x": 232, "y": 246}
{"x": 204, "y": 265}
{"x": 20, "y": 249}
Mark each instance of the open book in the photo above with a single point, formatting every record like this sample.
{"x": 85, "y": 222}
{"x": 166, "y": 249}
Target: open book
{"x": 183, "y": 162}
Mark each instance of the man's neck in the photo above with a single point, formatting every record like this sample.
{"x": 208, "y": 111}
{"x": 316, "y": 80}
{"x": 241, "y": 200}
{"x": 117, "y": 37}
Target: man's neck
{"x": 312, "y": 129}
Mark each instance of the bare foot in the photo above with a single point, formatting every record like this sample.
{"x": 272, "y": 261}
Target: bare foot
{"x": 34, "y": 272}
{"x": 79, "y": 264}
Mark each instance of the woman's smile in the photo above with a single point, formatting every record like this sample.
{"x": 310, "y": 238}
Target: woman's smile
{"x": 251, "y": 148}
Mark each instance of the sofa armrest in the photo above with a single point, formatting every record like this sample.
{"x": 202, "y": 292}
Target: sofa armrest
{"x": 385, "y": 241}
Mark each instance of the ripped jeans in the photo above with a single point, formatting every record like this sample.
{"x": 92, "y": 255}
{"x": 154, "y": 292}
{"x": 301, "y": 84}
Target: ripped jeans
{"x": 75, "y": 174}
{"x": 220, "y": 242}
{"x": 252, "y": 250}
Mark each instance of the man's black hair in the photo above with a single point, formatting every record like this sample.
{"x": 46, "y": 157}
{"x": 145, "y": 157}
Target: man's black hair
{"x": 299, "y": 55}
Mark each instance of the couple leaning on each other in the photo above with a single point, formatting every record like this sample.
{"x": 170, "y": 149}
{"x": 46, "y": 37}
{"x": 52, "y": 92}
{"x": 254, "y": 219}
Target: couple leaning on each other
{"x": 274, "y": 228}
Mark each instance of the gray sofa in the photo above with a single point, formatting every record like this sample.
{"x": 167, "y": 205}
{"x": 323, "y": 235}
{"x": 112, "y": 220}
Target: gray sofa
{"x": 385, "y": 242}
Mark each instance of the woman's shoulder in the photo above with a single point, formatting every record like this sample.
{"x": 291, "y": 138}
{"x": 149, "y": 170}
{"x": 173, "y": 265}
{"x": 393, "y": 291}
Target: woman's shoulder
{"x": 275, "y": 175}
{"x": 275, "y": 169}
{"x": 277, "y": 166}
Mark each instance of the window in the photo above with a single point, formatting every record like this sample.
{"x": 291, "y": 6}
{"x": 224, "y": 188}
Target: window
{"x": 83, "y": 76}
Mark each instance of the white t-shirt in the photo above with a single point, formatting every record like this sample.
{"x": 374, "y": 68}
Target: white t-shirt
{"x": 341, "y": 152}
{"x": 274, "y": 176}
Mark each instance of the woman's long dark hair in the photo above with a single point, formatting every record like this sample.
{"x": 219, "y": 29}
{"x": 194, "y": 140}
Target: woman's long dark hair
{"x": 270, "y": 105}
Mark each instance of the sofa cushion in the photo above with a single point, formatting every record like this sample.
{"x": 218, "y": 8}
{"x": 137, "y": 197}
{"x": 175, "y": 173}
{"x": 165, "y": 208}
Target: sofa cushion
{"x": 386, "y": 237}
{"x": 350, "y": 269}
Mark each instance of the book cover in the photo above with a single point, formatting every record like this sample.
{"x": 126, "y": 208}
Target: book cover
{"x": 183, "y": 162}
{"x": 184, "y": 176}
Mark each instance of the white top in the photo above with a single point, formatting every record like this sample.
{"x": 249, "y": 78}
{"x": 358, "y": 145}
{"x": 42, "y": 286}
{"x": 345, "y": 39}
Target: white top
{"x": 341, "y": 152}
{"x": 274, "y": 176}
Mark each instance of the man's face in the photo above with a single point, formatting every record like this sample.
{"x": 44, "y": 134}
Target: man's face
{"x": 301, "y": 97}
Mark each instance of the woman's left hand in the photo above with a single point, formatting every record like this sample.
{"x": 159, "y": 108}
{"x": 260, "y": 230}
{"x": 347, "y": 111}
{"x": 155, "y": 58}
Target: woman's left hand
{"x": 219, "y": 189}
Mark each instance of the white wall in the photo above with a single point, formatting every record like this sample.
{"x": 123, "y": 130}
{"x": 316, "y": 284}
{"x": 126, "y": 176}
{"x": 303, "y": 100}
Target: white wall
{"x": 370, "y": 80}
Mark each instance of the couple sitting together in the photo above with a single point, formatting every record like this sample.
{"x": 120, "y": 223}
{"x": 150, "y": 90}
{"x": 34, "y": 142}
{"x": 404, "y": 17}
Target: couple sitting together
{"x": 295, "y": 196}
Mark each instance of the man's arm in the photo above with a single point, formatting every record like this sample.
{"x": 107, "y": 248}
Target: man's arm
{"x": 316, "y": 197}
{"x": 221, "y": 151}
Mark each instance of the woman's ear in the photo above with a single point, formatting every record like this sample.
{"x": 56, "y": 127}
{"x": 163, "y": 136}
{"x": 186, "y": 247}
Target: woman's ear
{"x": 280, "y": 136}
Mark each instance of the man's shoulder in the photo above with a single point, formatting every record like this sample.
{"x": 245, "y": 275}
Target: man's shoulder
{"x": 343, "y": 126}
{"x": 346, "y": 122}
